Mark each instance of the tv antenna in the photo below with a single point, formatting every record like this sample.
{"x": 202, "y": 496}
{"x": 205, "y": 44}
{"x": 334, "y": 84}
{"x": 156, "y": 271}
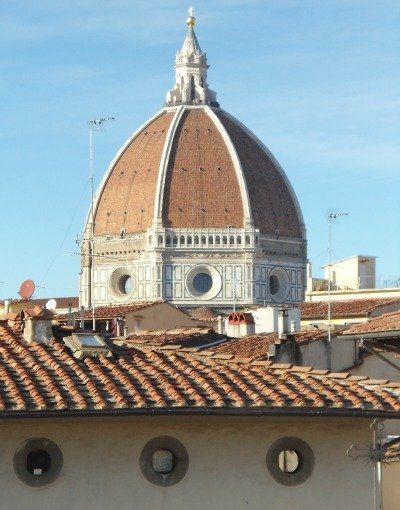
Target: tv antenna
{"x": 93, "y": 124}
{"x": 332, "y": 218}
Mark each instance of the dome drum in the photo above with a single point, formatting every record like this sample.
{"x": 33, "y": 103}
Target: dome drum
{"x": 211, "y": 239}
{"x": 188, "y": 279}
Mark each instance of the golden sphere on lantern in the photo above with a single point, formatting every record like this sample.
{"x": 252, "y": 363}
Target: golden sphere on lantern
{"x": 191, "y": 21}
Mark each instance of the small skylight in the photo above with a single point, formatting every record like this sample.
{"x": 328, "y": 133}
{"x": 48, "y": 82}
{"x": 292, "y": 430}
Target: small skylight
{"x": 87, "y": 344}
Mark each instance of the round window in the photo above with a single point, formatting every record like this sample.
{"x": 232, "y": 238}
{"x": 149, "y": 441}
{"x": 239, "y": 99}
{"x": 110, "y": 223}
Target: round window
{"x": 202, "y": 283}
{"x": 38, "y": 462}
{"x": 164, "y": 461}
{"x": 278, "y": 284}
{"x": 273, "y": 284}
{"x": 122, "y": 284}
{"x": 125, "y": 284}
{"x": 290, "y": 461}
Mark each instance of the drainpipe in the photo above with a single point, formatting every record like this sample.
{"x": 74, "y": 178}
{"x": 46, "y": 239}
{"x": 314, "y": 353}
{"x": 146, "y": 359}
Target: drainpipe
{"x": 376, "y": 446}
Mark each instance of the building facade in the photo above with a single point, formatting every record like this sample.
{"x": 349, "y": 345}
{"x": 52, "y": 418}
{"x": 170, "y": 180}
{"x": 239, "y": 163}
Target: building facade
{"x": 194, "y": 209}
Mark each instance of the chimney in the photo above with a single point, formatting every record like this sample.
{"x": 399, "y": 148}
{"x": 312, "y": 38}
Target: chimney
{"x": 82, "y": 317}
{"x": 37, "y": 325}
{"x": 121, "y": 327}
{"x": 282, "y": 323}
{"x": 6, "y": 306}
{"x": 70, "y": 316}
{"x": 220, "y": 325}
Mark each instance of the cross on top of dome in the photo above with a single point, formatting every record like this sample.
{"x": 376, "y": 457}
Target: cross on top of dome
{"x": 191, "y": 87}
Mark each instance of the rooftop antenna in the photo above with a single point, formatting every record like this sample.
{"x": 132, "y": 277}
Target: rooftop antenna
{"x": 27, "y": 289}
{"x": 332, "y": 217}
{"x": 94, "y": 123}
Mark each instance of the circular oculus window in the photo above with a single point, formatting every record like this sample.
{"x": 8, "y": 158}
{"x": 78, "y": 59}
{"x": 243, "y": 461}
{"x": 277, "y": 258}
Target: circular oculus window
{"x": 125, "y": 284}
{"x": 38, "y": 462}
{"x": 122, "y": 284}
{"x": 290, "y": 461}
{"x": 278, "y": 284}
{"x": 164, "y": 461}
{"x": 203, "y": 282}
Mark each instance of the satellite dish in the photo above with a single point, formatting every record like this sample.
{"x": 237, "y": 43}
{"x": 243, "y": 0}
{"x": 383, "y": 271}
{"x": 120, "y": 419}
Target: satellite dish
{"x": 51, "y": 304}
{"x": 27, "y": 289}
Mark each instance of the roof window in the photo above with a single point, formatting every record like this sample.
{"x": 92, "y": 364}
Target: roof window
{"x": 87, "y": 344}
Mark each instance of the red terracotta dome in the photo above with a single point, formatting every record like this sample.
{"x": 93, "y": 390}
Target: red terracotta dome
{"x": 196, "y": 167}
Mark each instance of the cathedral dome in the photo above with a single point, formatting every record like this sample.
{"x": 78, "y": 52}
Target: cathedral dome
{"x": 194, "y": 209}
{"x": 196, "y": 167}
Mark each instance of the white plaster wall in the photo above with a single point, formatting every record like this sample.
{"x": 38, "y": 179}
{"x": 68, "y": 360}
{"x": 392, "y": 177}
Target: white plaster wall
{"x": 391, "y": 492}
{"x": 344, "y": 354}
{"x": 354, "y": 272}
{"x": 374, "y": 367}
{"x": 343, "y": 295}
{"x": 266, "y": 318}
{"x": 227, "y": 467}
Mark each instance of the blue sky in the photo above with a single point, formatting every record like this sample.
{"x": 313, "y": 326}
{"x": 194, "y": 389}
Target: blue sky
{"x": 317, "y": 81}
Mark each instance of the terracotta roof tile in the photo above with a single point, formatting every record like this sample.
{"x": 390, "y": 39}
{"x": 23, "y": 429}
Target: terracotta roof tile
{"x": 310, "y": 335}
{"x": 251, "y": 346}
{"x": 185, "y": 337}
{"x": 353, "y": 307}
{"x": 384, "y": 323}
{"x": 111, "y": 311}
{"x": 204, "y": 313}
{"x": 37, "y": 379}
{"x": 61, "y": 303}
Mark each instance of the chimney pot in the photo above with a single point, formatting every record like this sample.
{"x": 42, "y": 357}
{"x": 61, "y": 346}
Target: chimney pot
{"x": 282, "y": 323}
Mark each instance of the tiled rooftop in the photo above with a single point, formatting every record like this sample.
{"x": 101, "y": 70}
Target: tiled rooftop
{"x": 204, "y": 313}
{"x": 250, "y": 346}
{"x": 110, "y": 311}
{"x": 257, "y": 346}
{"x": 186, "y": 337}
{"x": 61, "y": 303}
{"x": 310, "y": 335}
{"x": 384, "y": 323}
{"x": 38, "y": 379}
{"x": 353, "y": 307}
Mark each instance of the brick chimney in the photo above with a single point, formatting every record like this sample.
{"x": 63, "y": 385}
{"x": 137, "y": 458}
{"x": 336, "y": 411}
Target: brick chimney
{"x": 37, "y": 325}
